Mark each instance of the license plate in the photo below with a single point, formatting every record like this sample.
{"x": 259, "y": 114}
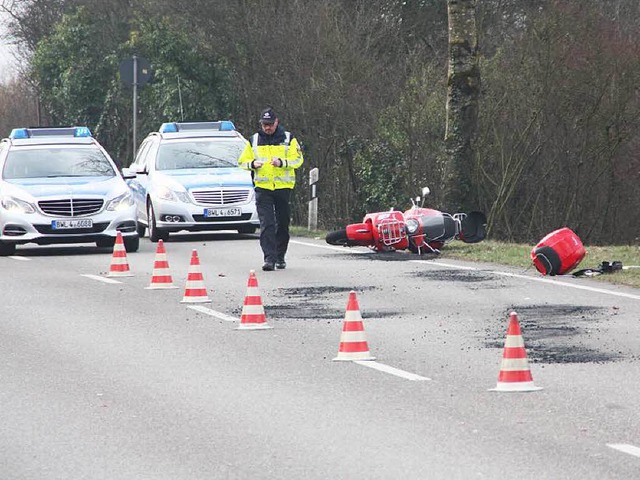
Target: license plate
{"x": 222, "y": 212}
{"x": 62, "y": 224}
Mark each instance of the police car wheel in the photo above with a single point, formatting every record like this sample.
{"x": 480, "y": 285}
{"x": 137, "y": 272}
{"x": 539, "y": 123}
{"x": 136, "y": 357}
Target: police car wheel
{"x": 131, "y": 244}
{"x": 155, "y": 233}
{"x": 7, "y": 249}
{"x": 247, "y": 229}
{"x": 141, "y": 229}
{"x": 105, "y": 242}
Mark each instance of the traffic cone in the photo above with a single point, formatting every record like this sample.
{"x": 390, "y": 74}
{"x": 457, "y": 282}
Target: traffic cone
{"x": 353, "y": 344}
{"x": 253, "y": 317}
{"x": 515, "y": 375}
{"x": 195, "y": 291}
{"x": 161, "y": 276}
{"x": 119, "y": 264}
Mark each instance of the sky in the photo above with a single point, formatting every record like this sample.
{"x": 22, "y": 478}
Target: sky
{"x": 7, "y": 62}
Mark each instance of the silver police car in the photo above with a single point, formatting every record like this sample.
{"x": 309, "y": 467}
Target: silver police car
{"x": 58, "y": 185}
{"x": 187, "y": 178}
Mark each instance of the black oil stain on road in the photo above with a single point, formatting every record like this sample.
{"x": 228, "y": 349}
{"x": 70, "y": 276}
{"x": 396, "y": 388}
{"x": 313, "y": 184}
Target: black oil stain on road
{"x": 312, "y": 303}
{"x": 559, "y": 334}
{"x": 455, "y": 275}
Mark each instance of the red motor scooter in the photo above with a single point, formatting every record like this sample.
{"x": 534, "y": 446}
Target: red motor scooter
{"x": 419, "y": 229}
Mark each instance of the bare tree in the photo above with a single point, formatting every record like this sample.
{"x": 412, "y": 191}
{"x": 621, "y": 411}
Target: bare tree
{"x": 17, "y": 106}
{"x": 462, "y": 101}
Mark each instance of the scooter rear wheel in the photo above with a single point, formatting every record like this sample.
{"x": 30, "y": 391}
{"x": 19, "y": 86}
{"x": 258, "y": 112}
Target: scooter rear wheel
{"x": 339, "y": 237}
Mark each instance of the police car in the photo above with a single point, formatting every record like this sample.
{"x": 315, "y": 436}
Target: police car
{"x": 58, "y": 185}
{"x": 187, "y": 178}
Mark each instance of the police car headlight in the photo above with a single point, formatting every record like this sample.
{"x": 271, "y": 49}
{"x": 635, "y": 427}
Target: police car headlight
{"x": 183, "y": 197}
{"x": 169, "y": 195}
{"x": 120, "y": 203}
{"x": 165, "y": 193}
{"x": 412, "y": 226}
{"x": 15, "y": 205}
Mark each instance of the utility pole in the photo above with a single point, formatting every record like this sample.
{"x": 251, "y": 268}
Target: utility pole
{"x": 135, "y": 103}
{"x": 135, "y": 72}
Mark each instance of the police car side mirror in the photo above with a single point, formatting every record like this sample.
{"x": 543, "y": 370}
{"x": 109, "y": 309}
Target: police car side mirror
{"x": 138, "y": 169}
{"x": 128, "y": 173}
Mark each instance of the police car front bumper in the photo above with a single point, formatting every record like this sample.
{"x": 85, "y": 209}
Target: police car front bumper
{"x": 21, "y": 228}
{"x": 176, "y": 216}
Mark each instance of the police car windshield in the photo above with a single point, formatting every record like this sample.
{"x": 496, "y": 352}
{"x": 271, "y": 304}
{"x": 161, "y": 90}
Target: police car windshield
{"x": 56, "y": 162}
{"x": 198, "y": 154}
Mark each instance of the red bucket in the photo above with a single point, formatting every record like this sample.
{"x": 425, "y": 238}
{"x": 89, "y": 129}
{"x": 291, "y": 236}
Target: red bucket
{"x": 558, "y": 253}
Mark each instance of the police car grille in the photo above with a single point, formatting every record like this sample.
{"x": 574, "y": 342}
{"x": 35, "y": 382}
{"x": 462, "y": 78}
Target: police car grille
{"x": 222, "y": 196}
{"x": 75, "y": 207}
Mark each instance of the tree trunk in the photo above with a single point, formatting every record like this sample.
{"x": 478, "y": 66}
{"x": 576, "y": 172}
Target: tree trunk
{"x": 462, "y": 102}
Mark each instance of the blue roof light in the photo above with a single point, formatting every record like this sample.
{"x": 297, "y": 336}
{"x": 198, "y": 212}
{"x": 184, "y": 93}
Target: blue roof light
{"x": 170, "y": 127}
{"x": 227, "y": 125}
{"x": 82, "y": 132}
{"x": 19, "y": 133}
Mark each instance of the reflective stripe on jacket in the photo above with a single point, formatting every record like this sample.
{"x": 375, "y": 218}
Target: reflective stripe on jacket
{"x": 268, "y": 176}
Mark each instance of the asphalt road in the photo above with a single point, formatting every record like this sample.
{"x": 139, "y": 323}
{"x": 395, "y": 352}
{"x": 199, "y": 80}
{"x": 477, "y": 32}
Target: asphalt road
{"x": 101, "y": 378}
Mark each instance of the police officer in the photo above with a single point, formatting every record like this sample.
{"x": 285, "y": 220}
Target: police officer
{"x": 272, "y": 156}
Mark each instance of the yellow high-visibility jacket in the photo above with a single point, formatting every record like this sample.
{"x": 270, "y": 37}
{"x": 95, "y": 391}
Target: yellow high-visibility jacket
{"x": 281, "y": 145}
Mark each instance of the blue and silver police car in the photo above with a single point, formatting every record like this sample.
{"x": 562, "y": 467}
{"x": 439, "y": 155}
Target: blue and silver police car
{"x": 58, "y": 185}
{"x": 187, "y": 178}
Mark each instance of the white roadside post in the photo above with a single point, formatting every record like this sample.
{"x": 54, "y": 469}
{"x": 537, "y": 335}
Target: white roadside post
{"x": 313, "y": 201}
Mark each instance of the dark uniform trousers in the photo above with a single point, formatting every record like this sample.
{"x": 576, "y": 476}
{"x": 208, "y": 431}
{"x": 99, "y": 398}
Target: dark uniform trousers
{"x": 274, "y": 213}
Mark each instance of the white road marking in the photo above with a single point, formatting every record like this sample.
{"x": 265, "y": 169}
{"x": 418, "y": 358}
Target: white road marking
{"x": 213, "y": 313}
{"x": 448, "y": 265}
{"x": 101, "y": 279}
{"x": 375, "y": 365}
{"x": 329, "y": 247}
{"x": 571, "y": 285}
{"x": 534, "y": 279}
{"x": 496, "y": 272}
{"x": 393, "y": 371}
{"x": 626, "y": 448}
{"x": 18, "y": 257}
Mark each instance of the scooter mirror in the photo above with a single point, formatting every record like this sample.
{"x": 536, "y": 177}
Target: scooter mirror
{"x": 425, "y": 191}
{"x": 417, "y": 199}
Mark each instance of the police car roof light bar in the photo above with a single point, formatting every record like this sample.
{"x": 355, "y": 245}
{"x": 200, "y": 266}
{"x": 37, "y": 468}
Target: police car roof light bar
{"x": 22, "y": 133}
{"x": 174, "y": 127}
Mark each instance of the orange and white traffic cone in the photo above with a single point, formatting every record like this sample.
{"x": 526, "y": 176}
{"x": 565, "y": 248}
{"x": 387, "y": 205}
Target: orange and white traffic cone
{"x": 195, "y": 291}
{"x": 253, "y": 317}
{"x": 515, "y": 375}
{"x": 353, "y": 343}
{"x": 119, "y": 265}
{"x": 161, "y": 276}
